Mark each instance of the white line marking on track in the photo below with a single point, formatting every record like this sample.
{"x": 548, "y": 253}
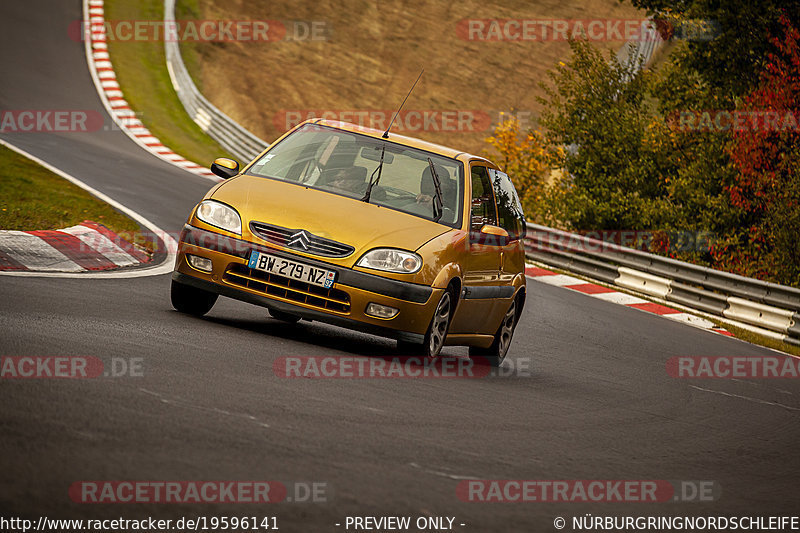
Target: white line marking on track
{"x": 686, "y": 318}
{"x": 749, "y": 399}
{"x": 559, "y": 280}
{"x": 441, "y": 474}
{"x": 178, "y": 402}
{"x": 621, "y": 298}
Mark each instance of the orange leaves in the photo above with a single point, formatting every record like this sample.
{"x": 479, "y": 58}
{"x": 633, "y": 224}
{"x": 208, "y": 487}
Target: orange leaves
{"x": 522, "y": 155}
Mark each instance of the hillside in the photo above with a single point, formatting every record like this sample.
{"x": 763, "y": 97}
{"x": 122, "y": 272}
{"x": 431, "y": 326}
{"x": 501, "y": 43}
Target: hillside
{"x": 370, "y": 56}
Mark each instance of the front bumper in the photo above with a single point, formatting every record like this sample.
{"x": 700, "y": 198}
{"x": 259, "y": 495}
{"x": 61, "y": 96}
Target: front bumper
{"x": 343, "y": 305}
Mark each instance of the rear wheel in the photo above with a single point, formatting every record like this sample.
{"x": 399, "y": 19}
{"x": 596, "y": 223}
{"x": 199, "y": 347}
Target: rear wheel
{"x": 191, "y": 300}
{"x": 285, "y": 317}
{"x": 437, "y": 330}
{"x": 496, "y": 353}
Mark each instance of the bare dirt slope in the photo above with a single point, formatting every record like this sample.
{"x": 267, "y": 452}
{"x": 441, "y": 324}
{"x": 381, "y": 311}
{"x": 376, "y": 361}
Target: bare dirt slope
{"x": 372, "y": 52}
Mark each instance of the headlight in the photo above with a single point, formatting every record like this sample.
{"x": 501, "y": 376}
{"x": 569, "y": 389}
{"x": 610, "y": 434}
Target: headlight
{"x": 391, "y": 260}
{"x": 219, "y": 215}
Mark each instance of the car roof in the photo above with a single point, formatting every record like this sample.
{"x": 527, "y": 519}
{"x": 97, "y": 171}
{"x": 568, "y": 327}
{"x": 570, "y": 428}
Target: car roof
{"x": 399, "y": 139}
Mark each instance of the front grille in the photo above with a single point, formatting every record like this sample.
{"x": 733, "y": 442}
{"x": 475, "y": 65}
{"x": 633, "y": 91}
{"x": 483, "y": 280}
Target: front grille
{"x": 301, "y": 240}
{"x": 287, "y": 289}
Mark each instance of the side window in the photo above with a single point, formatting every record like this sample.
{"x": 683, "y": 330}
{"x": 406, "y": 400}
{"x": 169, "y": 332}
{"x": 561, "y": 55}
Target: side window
{"x": 483, "y": 209}
{"x": 509, "y": 209}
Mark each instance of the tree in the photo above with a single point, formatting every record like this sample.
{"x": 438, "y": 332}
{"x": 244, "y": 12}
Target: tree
{"x": 613, "y": 177}
{"x": 523, "y": 157}
{"x": 766, "y": 155}
{"x": 733, "y": 59}
{"x": 627, "y": 166}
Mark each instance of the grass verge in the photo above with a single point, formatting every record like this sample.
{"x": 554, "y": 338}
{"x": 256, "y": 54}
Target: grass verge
{"x": 754, "y": 338}
{"x": 142, "y": 74}
{"x": 33, "y": 198}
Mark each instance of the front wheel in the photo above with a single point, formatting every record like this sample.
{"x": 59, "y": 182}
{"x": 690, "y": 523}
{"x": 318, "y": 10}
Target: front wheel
{"x": 191, "y": 300}
{"x": 496, "y": 353}
{"x": 437, "y": 330}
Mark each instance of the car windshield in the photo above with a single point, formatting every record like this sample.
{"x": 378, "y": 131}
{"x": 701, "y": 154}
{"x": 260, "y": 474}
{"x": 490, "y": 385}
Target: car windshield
{"x": 343, "y": 163}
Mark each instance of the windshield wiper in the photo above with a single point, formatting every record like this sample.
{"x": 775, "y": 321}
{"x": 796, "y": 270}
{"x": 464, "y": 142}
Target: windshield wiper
{"x": 375, "y": 182}
{"x": 438, "y": 204}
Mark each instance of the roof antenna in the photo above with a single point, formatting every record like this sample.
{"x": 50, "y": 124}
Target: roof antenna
{"x": 386, "y": 133}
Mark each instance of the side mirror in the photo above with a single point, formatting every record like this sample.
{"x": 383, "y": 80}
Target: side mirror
{"x": 225, "y": 168}
{"x": 490, "y": 235}
{"x": 495, "y": 231}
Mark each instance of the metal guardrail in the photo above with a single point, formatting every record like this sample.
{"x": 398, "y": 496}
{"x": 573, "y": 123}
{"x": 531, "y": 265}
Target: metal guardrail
{"x": 639, "y": 52}
{"x": 219, "y": 126}
{"x": 759, "y": 303}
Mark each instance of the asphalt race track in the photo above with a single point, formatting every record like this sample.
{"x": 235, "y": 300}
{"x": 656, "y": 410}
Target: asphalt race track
{"x": 598, "y": 403}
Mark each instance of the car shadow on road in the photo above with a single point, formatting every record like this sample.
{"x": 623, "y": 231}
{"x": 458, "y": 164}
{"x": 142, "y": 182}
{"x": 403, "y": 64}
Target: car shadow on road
{"x": 311, "y": 336}
{"x": 312, "y": 333}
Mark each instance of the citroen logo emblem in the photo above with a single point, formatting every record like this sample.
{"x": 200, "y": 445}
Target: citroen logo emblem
{"x": 299, "y": 240}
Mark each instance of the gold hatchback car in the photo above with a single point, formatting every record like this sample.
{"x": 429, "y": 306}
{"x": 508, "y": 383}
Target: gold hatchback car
{"x": 363, "y": 229}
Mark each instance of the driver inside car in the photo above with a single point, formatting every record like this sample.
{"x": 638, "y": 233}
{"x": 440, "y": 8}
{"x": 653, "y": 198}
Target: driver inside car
{"x": 350, "y": 180}
{"x": 427, "y": 189}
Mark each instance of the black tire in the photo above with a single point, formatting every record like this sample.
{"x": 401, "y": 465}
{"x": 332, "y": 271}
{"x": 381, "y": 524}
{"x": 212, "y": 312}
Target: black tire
{"x": 284, "y": 317}
{"x": 190, "y": 300}
{"x": 496, "y": 353}
{"x": 436, "y": 333}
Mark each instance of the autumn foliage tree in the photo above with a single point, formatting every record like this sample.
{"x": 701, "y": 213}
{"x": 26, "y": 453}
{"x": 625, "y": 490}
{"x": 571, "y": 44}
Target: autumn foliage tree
{"x": 627, "y": 166}
{"x": 521, "y": 155}
{"x": 766, "y": 155}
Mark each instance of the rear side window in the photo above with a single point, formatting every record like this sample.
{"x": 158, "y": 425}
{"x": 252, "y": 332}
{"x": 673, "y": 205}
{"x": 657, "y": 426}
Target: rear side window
{"x": 483, "y": 209}
{"x": 509, "y": 209}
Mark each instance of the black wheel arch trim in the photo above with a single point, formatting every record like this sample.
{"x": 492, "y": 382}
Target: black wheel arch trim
{"x": 487, "y": 292}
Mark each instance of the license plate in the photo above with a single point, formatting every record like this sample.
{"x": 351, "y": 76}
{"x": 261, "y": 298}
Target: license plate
{"x": 292, "y": 269}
